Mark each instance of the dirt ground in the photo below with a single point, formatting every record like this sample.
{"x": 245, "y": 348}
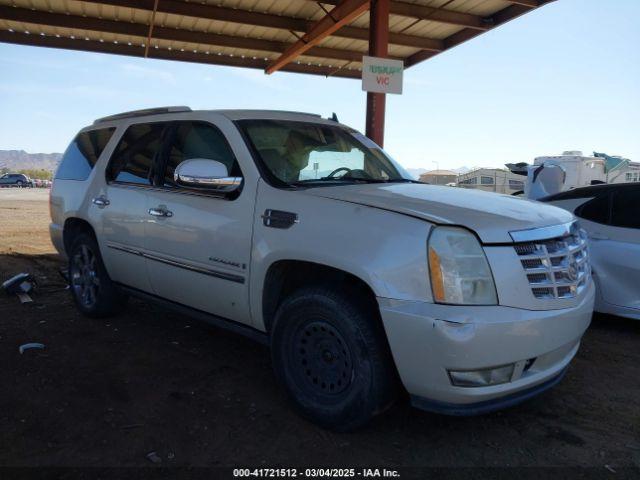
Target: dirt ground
{"x": 107, "y": 393}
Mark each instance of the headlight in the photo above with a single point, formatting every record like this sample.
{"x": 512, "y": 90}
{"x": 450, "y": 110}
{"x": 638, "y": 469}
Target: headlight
{"x": 458, "y": 268}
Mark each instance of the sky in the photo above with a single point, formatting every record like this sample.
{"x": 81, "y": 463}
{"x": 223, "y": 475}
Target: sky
{"x": 564, "y": 77}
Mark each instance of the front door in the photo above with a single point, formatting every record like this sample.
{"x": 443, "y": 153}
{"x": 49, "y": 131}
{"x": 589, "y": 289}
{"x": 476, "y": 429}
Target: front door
{"x": 198, "y": 244}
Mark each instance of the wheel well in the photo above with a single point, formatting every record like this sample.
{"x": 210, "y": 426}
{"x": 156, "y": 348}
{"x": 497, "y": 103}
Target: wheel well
{"x": 72, "y": 227}
{"x": 286, "y": 276}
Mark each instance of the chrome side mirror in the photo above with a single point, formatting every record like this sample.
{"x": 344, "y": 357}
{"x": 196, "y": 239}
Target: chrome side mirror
{"x": 205, "y": 174}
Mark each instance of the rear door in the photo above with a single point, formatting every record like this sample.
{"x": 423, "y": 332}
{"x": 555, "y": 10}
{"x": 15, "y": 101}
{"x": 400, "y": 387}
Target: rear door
{"x": 199, "y": 253}
{"x": 121, "y": 205}
{"x": 613, "y": 224}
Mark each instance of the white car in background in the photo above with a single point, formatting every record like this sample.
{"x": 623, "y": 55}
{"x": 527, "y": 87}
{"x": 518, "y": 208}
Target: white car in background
{"x": 611, "y": 216}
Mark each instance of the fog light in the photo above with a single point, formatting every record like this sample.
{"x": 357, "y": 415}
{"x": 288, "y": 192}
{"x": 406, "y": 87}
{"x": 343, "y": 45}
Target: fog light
{"x": 481, "y": 378}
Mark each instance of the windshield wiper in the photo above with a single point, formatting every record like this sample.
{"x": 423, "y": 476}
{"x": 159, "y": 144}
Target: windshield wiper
{"x": 402, "y": 180}
{"x": 381, "y": 180}
{"x": 320, "y": 180}
{"x": 326, "y": 180}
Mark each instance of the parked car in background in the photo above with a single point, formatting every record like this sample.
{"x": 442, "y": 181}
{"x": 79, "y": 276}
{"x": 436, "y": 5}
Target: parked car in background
{"x": 15, "y": 180}
{"x": 610, "y": 213}
{"x": 41, "y": 183}
{"x": 305, "y": 234}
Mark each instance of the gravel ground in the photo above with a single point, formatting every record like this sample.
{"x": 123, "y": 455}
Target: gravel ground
{"x": 107, "y": 393}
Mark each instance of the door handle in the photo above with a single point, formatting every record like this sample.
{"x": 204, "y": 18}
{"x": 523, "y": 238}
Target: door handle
{"x": 101, "y": 201}
{"x": 160, "y": 211}
{"x": 598, "y": 236}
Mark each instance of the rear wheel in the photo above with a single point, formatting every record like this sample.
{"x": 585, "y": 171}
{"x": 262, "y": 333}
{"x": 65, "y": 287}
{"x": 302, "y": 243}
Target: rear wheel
{"x": 93, "y": 291}
{"x": 331, "y": 356}
{"x": 20, "y": 183}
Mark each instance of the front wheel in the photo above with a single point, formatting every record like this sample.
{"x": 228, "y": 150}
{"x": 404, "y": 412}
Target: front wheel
{"x": 94, "y": 293}
{"x": 331, "y": 356}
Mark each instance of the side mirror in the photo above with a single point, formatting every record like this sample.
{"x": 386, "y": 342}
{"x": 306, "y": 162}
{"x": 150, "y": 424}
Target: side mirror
{"x": 205, "y": 174}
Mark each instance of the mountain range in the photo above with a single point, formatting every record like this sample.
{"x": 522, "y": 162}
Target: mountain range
{"x": 21, "y": 160}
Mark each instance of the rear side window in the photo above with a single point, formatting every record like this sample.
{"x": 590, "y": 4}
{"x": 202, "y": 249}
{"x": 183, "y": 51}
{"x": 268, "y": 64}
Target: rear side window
{"x": 132, "y": 160}
{"x": 198, "y": 140}
{"x": 83, "y": 153}
{"x": 595, "y": 210}
{"x": 625, "y": 209}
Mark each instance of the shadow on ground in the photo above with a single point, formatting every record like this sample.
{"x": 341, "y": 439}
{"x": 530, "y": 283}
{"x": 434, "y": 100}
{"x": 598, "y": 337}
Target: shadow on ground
{"x": 107, "y": 392}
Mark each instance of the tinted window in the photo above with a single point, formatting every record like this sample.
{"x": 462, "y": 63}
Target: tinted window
{"x": 198, "y": 140}
{"x": 595, "y": 210}
{"x": 83, "y": 153}
{"x": 132, "y": 161}
{"x": 625, "y": 210}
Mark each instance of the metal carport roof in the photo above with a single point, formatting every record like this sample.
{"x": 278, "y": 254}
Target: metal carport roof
{"x": 324, "y": 38}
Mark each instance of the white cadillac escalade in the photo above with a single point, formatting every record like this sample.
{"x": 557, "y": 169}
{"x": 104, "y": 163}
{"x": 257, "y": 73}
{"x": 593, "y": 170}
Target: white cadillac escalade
{"x": 303, "y": 233}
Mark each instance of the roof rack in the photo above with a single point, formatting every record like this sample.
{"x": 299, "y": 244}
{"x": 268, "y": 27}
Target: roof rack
{"x": 140, "y": 113}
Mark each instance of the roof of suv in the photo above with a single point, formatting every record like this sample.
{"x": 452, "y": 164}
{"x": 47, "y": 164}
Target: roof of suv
{"x": 230, "y": 114}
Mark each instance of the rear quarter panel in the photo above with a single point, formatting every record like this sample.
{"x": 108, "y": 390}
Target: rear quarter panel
{"x": 72, "y": 198}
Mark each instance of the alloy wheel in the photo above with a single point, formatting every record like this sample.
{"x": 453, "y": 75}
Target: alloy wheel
{"x": 84, "y": 276}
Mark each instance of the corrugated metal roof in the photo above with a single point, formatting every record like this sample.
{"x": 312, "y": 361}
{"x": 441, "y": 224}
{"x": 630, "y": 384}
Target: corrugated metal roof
{"x": 249, "y": 33}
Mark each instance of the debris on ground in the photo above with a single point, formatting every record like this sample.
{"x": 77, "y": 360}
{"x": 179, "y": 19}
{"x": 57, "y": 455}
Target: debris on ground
{"x": 154, "y": 457}
{"x": 24, "y": 298}
{"x": 29, "y": 346}
{"x": 21, "y": 285}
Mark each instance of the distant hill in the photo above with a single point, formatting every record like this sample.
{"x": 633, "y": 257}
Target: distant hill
{"x": 21, "y": 160}
{"x": 416, "y": 172}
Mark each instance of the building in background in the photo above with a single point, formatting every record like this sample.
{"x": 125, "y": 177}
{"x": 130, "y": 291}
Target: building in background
{"x": 620, "y": 170}
{"x": 439, "y": 177}
{"x": 497, "y": 180}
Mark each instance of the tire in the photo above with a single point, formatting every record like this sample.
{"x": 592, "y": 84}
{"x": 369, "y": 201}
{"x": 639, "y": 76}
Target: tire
{"x": 93, "y": 292}
{"x": 331, "y": 356}
{"x": 19, "y": 183}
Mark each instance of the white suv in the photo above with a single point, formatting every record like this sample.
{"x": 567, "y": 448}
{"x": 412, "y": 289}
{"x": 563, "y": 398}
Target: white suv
{"x": 302, "y": 233}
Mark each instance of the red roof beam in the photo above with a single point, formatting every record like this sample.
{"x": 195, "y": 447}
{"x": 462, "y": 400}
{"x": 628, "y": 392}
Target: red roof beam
{"x": 343, "y": 14}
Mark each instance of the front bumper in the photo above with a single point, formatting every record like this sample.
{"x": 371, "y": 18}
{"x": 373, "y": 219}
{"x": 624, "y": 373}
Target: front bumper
{"x": 428, "y": 340}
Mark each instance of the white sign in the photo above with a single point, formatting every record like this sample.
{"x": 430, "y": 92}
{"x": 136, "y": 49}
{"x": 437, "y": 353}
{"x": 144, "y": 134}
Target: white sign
{"x": 381, "y": 75}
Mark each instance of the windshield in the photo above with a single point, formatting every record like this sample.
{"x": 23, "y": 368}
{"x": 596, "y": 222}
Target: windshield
{"x": 299, "y": 153}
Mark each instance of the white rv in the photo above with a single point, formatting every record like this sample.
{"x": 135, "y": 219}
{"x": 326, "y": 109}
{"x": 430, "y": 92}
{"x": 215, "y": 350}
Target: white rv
{"x": 554, "y": 174}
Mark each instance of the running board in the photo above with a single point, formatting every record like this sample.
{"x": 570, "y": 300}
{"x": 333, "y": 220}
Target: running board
{"x": 214, "y": 320}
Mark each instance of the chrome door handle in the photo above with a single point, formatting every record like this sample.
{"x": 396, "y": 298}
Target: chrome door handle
{"x": 101, "y": 201}
{"x": 160, "y": 211}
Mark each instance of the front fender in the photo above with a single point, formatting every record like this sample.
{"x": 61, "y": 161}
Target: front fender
{"x": 384, "y": 249}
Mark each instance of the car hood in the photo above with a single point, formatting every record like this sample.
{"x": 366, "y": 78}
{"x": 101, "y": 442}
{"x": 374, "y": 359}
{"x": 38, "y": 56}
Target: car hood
{"x": 492, "y": 216}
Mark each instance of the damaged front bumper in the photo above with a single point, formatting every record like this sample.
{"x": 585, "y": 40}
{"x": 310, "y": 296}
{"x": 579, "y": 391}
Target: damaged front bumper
{"x": 432, "y": 343}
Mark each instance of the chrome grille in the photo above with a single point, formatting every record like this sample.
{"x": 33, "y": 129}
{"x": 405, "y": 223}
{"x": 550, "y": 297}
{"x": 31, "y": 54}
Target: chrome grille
{"x": 556, "y": 267}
